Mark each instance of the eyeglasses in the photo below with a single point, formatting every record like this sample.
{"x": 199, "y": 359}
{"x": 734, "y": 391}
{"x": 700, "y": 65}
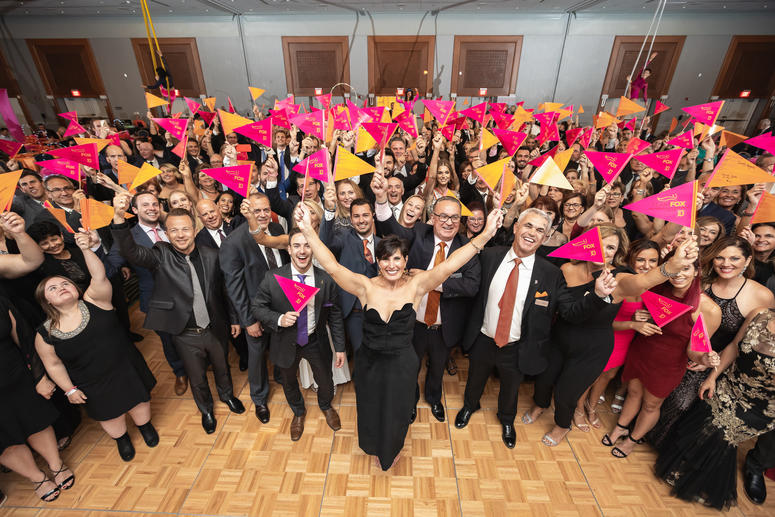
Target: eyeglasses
{"x": 63, "y": 189}
{"x": 614, "y": 194}
{"x": 444, "y": 218}
{"x": 573, "y": 205}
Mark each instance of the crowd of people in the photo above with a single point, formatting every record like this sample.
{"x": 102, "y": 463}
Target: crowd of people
{"x": 419, "y": 258}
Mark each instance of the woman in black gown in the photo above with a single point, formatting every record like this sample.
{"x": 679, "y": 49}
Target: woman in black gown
{"x": 85, "y": 356}
{"x": 386, "y": 365}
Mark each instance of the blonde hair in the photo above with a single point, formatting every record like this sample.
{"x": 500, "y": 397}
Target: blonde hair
{"x": 340, "y": 211}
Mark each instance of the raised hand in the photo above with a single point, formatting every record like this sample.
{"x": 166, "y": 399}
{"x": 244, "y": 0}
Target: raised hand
{"x": 605, "y": 283}
{"x": 82, "y": 239}
{"x": 12, "y": 223}
{"x": 379, "y": 187}
{"x": 120, "y": 206}
{"x": 494, "y": 221}
{"x": 685, "y": 255}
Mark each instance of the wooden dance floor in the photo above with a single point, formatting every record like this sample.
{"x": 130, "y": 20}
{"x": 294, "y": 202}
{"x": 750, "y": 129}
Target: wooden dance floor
{"x": 246, "y": 468}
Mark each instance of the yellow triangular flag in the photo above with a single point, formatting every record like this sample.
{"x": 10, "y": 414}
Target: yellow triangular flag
{"x": 254, "y": 92}
{"x": 581, "y": 109}
{"x": 464, "y": 211}
{"x": 364, "y": 141}
{"x": 733, "y": 169}
{"x": 730, "y": 139}
{"x": 152, "y": 101}
{"x": 230, "y": 121}
{"x": 488, "y": 140}
{"x": 398, "y": 108}
{"x": 605, "y": 119}
{"x": 628, "y": 107}
{"x": 507, "y": 184}
{"x": 550, "y": 106}
{"x": 521, "y": 115}
{"x": 348, "y": 165}
{"x": 102, "y": 143}
{"x": 492, "y": 172}
{"x": 550, "y": 174}
{"x": 564, "y": 113}
{"x": 386, "y": 116}
{"x": 94, "y": 214}
{"x": 126, "y": 172}
{"x": 562, "y": 158}
{"x": 210, "y": 103}
{"x": 147, "y": 171}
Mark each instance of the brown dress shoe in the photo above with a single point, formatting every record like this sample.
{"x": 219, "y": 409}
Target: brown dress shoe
{"x": 297, "y": 427}
{"x": 181, "y": 385}
{"x": 332, "y": 419}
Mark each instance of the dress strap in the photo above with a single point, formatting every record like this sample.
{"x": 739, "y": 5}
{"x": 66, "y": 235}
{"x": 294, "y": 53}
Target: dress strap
{"x": 745, "y": 281}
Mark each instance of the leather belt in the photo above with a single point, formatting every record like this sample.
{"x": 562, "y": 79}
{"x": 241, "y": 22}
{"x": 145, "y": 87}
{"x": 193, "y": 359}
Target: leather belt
{"x": 196, "y": 330}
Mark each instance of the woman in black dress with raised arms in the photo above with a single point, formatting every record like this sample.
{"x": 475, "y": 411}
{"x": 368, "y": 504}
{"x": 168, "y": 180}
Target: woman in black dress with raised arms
{"x": 85, "y": 356}
{"x": 386, "y": 365}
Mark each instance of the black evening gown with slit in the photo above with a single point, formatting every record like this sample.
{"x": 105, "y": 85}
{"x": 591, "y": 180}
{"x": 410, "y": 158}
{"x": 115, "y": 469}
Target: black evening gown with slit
{"x": 385, "y": 378}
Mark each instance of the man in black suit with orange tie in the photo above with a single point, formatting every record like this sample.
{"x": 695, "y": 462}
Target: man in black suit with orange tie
{"x": 510, "y": 322}
{"x": 303, "y": 334}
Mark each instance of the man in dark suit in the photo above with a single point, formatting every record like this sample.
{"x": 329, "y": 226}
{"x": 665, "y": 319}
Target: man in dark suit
{"x": 187, "y": 302}
{"x": 354, "y": 249}
{"x": 284, "y": 206}
{"x": 244, "y": 263}
{"x": 302, "y": 334}
{"x": 442, "y": 313}
{"x": 59, "y": 191}
{"x": 28, "y": 201}
{"x": 285, "y": 163}
{"x": 517, "y": 287}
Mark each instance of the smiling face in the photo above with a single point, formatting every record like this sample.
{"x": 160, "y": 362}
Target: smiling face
{"x": 523, "y": 156}
{"x": 765, "y": 239}
{"x": 52, "y": 244}
{"x": 192, "y": 148}
{"x": 61, "y": 191}
{"x": 395, "y": 190}
{"x": 572, "y": 207}
{"x": 362, "y": 219}
{"x": 209, "y": 214}
{"x": 59, "y": 291}
{"x": 205, "y": 181}
{"x": 345, "y": 194}
{"x": 181, "y": 231}
{"x": 413, "y": 209}
{"x": 728, "y": 197}
{"x": 226, "y": 203}
{"x": 610, "y": 247}
{"x": 730, "y": 263}
{"x": 32, "y": 186}
{"x": 446, "y": 219}
{"x": 614, "y": 197}
{"x": 179, "y": 199}
{"x": 168, "y": 175}
{"x": 475, "y": 222}
{"x": 708, "y": 234}
{"x": 645, "y": 261}
{"x": 392, "y": 268}
{"x": 147, "y": 209}
{"x": 300, "y": 252}
{"x": 529, "y": 234}
{"x": 684, "y": 278}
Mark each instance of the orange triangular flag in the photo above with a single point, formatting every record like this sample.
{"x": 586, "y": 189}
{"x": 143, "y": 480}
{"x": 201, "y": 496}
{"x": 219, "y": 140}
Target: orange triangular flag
{"x": 464, "y": 211}
{"x": 564, "y": 113}
{"x": 152, "y": 101}
{"x": 550, "y": 106}
{"x": 255, "y": 92}
{"x": 126, "y": 172}
{"x": 562, "y": 159}
{"x": 730, "y": 139}
{"x": 8, "y": 182}
{"x": 94, "y": 214}
{"x": 347, "y": 165}
{"x": 507, "y": 184}
{"x": 364, "y": 141}
{"x": 492, "y": 172}
{"x": 628, "y": 107}
{"x": 147, "y": 171}
{"x": 102, "y": 143}
{"x": 733, "y": 169}
{"x": 581, "y": 109}
{"x": 521, "y": 116}
{"x": 488, "y": 140}
{"x": 605, "y": 119}
{"x": 230, "y": 121}
{"x": 210, "y": 103}
{"x": 765, "y": 210}
{"x": 549, "y": 174}
{"x": 60, "y": 215}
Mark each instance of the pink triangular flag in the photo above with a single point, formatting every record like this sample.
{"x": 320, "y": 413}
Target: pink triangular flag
{"x": 440, "y": 109}
{"x": 180, "y": 148}
{"x": 448, "y": 131}
{"x": 175, "y": 126}
{"x": 231, "y": 106}
{"x": 587, "y": 247}
{"x": 10, "y": 147}
{"x": 311, "y": 123}
{"x": 280, "y": 118}
{"x": 74, "y": 128}
{"x": 705, "y": 113}
{"x": 764, "y": 141}
{"x": 677, "y": 205}
{"x": 72, "y": 116}
{"x": 207, "y": 117}
{"x": 374, "y": 114}
{"x": 324, "y": 100}
{"x": 476, "y": 113}
{"x": 316, "y": 165}
{"x": 659, "y": 108}
{"x": 685, "y": 140}
{"x": 609, "y": 165}
{"x": 502, "y": 120}
{"x": 260, "y": 131}
{"x": 85, "y": 154}
{"x": 511, "y": 140}
{"x": 407, "y": 122}
{"x": 663, "y": 310}
{"x": 700, "y": 340}
{"x": 664, "y": 162}
{"x": 61, "y": 166}
{"x": 572, "y": 135}
{"x": 380, "y": 131}
{"x": 341, "y": 118}
{"x": 193, "y": 106}
{"x": 297, "y": 293}
{"x": 236, "y": 177}
{"x": 586, "y": 137}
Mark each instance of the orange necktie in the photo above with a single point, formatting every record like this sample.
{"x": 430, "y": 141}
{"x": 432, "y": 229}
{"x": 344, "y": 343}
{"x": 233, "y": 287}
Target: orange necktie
{"x": 506, "y": 305}
{"x": 367, "y": 251}
{"x": 432, "y": 307}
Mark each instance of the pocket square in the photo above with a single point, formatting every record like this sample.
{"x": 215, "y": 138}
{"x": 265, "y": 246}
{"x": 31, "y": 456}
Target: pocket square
{"x": 542, "y": 294}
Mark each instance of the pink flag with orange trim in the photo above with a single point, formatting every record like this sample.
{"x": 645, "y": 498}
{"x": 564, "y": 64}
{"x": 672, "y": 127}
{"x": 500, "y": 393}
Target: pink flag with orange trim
{"x": 297, "y": 293}
{"x": 311, "y": 123}
{"x": 476, "y": 113}
{"x": 407, "y": 122}
{"x": 175, "y": 126}
{"x": 705, "y": 113}
{"x": 663, "y": 310}
{"x": 61, "y": 166}
{"x": 572, "y": 135}
{"x": 700, "y": 340}
{"x": 502, "y": 120}
{"x": 511, "y": 140}
{"x": 659, "y": 108}
{"x": 315, "y": 165}
{"x": 207, "y": 116}
{"x": 260, "y": 131}
{"x": 280, "y": 118}
{"x": 765, "y": 141}
{"x": 586, "y": 137}
{"x": 440, "y": 109}
{"x": 71, "y": 116}
{"x": 380, "y": 131}
{"x": 609, "y": 165}
{"x": 448, "y": 131}
{"x": 324, "y": 100}
{"x": 236, "y": 177}
{"x": 685, "y": 140}
{"x": 677, "y": 205}
{"x": 193, "y": 106}
{"x": 587, "y": 247}
{"x": 664, "y": 162}
{"x": 74, "y": 128}
{"x": 85, "y": 154}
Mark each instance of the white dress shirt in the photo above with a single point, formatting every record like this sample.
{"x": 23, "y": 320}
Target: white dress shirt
{"x": 216, "y": 237}
{"x": 397, "y": 209}
{"x": 498, "y": 287}
{"x": 273, "y": 251}
{"x": 148, "y": 231}
{"x": 310, "y": 281}
{"x": 424, "y": 300}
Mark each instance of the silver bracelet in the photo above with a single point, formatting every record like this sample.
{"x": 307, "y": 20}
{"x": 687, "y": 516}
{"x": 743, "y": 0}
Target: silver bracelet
{"x": 72, "y": 390}
{"x": 254, "y": 232}
{"x": 663, "y": 270}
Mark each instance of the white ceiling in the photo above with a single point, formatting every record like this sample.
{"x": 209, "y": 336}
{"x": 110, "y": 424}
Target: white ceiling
{"x": 258, "y": 7}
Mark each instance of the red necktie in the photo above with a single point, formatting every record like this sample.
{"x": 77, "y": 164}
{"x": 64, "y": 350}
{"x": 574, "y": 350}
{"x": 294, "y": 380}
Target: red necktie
{"x": 506, "y": 305}
{"x": 367, "y": 251}
{"x": 434, "y": 297}
{"x": 156, "y": 236}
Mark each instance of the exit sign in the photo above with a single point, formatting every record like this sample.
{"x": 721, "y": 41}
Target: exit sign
{"x": 482, "y": 92}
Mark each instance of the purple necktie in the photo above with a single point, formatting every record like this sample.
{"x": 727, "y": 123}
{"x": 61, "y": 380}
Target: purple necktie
{"x": 302, "y": 337}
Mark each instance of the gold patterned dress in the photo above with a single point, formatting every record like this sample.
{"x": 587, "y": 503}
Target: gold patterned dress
{"x": 700, "y": 456}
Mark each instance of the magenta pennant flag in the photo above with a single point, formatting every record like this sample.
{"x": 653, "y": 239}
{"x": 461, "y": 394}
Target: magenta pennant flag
{"x": 311, "y": 123}
{"x": 297, "y": 293}
{"x": 285, "y": 103}
{"x": 448, "y": 131}
{"x": 511, "y": 140}
{"x": 236, "y": 177}
{"x": 586, "y": 136}
{"x": 685, "y": 140}
{"x": 85, "y": 154}
{"x": 324, "y": 100}
{"x": 280, "y": 118}
{"x": 407, "y": 122}
{"x": 380, "y": 131}
{"x": 374, "y": 114}
{"x": 609, "y": 165}
{"x": 587, "y": 247}
{"x": 460, "y": 122}
{"x": 663, "y": 310}
{"x": 705, "y": 113}
{"x": 11, "y": 148}
{"x": 636, "y": 145}
{"x": 175, "y": 126}
{"x": 659, "y": 108}
{"x": 60, "y": 166}
{"x": 260, "y": 131}
{"x": 538, "y": 160}
{"x": 700, "y": 340}
{"x": 572, "y": 135}
{"x": 315, "y": 165}
{"x": 74, "y": 128}
{"x": 664, "y": 162}
{"x": 502, "y": 120}
{"x": 193, "y": 106}
{"x": 476, "y": 113}
{"x": 677, "y": 205}
{"x": 440, "y": 109}
{"x": 549, "y": 133}
{"x": 341, "y": 119}
{"x": 207, "y": 117}
{"x": 497, "y": 107}
{"x": 115, "y": 139}
{"x": 231, "y": 106}
{"x": 765, "y": 141}
{"x": 357, "y": 116}
{"x": 11, "y": 122}
{"x": 631, "y": 124}
{"x": 546, "y": 118}
{"x": 72, "y": 116}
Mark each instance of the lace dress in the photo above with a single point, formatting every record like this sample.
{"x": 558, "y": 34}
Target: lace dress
{"x": 700, "y": 456}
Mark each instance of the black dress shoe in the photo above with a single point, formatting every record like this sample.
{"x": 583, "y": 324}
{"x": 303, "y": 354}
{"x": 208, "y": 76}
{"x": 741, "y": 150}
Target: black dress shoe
{"x": 755, "y": 489}
{"x": 243, "y": 364}
{"x": 509, "y": 435}
{"x": 125, "y": 448}
{"x": 437, "y": 410}
{"x": 462, "y": 418}
{"x": 413, "y": 416}
{"x": 209, "y": 422}
{"x": 150, "y": 435}
{"x": 235, "y": 405}
{"x": 262, "y": 413}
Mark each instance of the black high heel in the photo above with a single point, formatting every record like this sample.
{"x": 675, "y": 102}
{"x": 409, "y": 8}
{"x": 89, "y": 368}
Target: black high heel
{"x": 45, "y": 497}
{"x": 618, "y": 453}
{"x": 69, "y": 479}
{"x": 607, "y": 439}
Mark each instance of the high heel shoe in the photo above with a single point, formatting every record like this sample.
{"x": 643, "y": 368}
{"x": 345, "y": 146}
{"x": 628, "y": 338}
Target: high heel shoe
{"x": 607, "y": 438}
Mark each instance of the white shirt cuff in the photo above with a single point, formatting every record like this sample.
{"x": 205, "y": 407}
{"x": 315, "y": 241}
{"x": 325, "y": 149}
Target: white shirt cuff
{"x": 383, "y": 211}
{"x": 271, "y": 184}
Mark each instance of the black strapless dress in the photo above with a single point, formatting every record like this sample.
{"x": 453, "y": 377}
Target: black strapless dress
{"x": 385, "y": 378}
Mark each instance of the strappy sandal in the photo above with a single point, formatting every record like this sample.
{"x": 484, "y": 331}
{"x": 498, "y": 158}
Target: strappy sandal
{"x": 584, "y": 426}
{"x": 549, "y": 441}
{"x": 618, "y": 453}
{"x": 592, "y": 417}
{"x": 607, "y": 439}
{"x": 616, "y": 405}
{"x": 49, "y": 496}
{"x": 69, "y": 481}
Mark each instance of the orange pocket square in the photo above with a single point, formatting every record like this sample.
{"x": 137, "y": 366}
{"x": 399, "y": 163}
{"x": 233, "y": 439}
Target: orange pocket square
{"x": 542, "y": 294}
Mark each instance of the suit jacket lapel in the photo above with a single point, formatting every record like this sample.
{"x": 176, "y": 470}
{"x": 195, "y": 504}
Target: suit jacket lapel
{"x": 532, "y": 288}
{"x": 318, "y": 295}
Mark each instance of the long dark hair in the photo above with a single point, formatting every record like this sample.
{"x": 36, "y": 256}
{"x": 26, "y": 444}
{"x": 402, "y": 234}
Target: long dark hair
{"x": 709, "y": 274}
